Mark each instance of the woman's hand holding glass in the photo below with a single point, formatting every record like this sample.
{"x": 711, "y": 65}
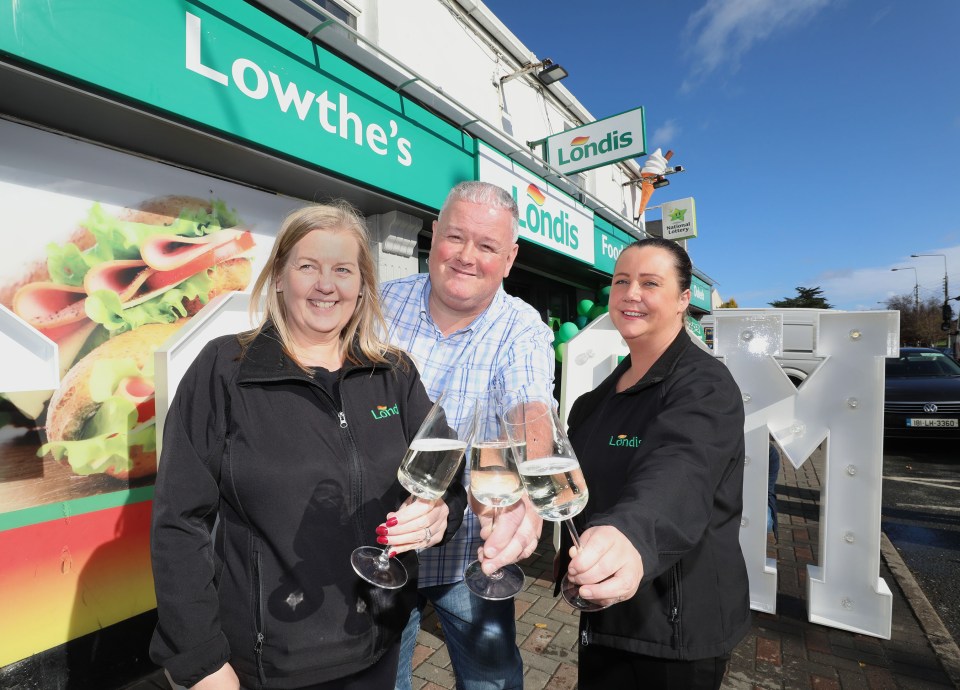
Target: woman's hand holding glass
{"x": 552, "y": 477}
{"x": 417, "y": 524}
{"x": 430, "y": 464}
{"x": 606, "y": 566}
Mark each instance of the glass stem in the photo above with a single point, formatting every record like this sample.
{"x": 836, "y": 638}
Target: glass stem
{"x": 574, "y": 534}
{"x": 498, "y": 574}
{"x": 383, "y": 560}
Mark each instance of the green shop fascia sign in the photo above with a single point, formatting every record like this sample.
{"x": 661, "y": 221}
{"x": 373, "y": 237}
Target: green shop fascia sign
{"x": 548, "y": 216}
{"x": 608, "y": 241}
{"x": 700, "y": 294}
{"x": 229, "y": 66}
{"x": 696, "y": 327}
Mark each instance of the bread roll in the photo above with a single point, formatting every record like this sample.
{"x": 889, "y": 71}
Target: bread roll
{"x": 72, "y": 406}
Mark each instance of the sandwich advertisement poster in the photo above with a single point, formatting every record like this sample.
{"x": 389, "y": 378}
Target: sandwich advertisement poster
{"x": 107, "y": 255}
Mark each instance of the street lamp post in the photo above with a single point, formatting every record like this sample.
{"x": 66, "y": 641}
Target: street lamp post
{"x": 946, "y": 287}
{"x": 916, "y": 294}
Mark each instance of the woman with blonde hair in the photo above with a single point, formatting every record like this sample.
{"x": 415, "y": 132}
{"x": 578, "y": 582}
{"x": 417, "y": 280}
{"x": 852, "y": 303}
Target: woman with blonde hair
{"x": 281, "y": 433}
{"x": 360, "y": 334}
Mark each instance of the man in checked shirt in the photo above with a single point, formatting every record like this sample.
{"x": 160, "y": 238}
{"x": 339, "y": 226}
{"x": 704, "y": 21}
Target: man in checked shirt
{"x": 467, "y": 335}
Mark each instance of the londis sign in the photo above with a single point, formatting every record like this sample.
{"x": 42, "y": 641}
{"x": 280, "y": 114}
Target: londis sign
{"x": 548, "y": 216}
{"x": 700, "y": 294}
{"x": 598, "y": 143}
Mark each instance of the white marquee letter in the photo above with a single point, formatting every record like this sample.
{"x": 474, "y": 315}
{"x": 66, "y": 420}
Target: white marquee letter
{"x": 840, "y": 403}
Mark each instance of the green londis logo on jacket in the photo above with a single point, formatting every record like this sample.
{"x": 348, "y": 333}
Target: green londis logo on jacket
{"x": 625, "y": 441}
{"x": 550, "y": 222}
{"x": 382, "y": 411}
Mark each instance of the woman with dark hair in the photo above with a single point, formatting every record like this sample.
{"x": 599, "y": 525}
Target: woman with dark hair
{"x": 291, "y": 434}
{"x": 661, "y": 445}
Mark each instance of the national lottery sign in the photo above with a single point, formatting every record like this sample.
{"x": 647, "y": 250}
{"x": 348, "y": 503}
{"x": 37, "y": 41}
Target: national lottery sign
{"x": 680, "y": 219}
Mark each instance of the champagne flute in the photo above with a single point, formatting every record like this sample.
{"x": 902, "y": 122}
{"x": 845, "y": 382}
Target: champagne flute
{"x": 494, "y": 481}
{"x": 553, "y": 479}
{"x": 430, "y": 464}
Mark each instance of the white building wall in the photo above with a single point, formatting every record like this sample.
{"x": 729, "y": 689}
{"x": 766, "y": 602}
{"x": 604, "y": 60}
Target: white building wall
{"x": 440, "y": 45}
{"x": 463, "y": 48}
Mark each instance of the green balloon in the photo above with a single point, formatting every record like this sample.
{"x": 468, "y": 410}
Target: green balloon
{"x": 581, "y": 321}
{"x": 597, "y": 310}
{"x": 603, "y": 297}
{"x": 567, "y": 330}
{"x": 558, "y": 351}
{"x": 584, "y": 306}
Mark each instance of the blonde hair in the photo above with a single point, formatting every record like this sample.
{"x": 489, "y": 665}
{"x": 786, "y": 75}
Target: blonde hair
{"x": 360, "y": 337}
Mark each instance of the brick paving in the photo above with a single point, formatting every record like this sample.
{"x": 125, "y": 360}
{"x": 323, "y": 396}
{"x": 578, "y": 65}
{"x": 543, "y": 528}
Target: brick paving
{"x": 782, "y": 650}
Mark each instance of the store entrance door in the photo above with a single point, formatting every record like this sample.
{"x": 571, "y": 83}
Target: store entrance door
{"x": 552, "y": 299}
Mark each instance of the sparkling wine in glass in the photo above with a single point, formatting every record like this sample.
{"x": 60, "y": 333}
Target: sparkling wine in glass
{"x": 430, "y": 464}
{"x": 494, "y": 481}
{"x": 553, "y": 479}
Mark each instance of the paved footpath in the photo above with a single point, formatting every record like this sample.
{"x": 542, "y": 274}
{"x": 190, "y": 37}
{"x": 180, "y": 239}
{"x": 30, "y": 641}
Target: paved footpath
{"x": 781, "y": 651}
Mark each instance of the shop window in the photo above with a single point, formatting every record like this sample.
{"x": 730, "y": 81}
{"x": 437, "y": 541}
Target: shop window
{"x": 338, "y": 11}
{"x": 310, "y": 13}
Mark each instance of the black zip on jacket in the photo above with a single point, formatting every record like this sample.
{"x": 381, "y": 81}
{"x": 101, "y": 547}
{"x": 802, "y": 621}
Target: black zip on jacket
{"x": 299, "y": 480}
{"x": 663, "y": 462}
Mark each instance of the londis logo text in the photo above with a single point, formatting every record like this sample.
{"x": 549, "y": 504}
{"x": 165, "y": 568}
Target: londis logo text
{"x": 382, "y": 411}
{"x": 540, "y": 221}
{"x": 698, "y": 292}
{"x": 625, "y": 441}
{"x": 581, "y": 148}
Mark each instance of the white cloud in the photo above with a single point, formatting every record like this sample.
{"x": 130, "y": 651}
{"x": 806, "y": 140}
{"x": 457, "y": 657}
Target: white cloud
{"x": 880, "y": 14}
{"x": 856, "y": 289}
{"x": 722, "y": 31}
{"x": 664, "y": 136}
{"x": 862, "y": 288}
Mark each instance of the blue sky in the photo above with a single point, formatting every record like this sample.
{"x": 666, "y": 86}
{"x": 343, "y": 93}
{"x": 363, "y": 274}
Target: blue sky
{"x": 821, "y": 137}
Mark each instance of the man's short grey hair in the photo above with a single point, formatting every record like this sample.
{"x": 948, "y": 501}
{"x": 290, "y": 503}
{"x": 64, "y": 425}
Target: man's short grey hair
{"x": 486, "y": 194}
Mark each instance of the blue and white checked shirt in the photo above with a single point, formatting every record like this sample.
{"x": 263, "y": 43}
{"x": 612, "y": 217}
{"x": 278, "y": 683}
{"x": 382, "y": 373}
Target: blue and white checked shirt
{"x": 506, "y": 348}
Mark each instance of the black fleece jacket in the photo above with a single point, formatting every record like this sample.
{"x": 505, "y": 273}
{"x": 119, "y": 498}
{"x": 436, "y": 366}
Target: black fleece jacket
{"x": 663, "y": 462}
{"x": 298, "y": 479}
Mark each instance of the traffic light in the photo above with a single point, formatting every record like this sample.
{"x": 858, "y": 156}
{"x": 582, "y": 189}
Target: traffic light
{"x": 947, "y": 317}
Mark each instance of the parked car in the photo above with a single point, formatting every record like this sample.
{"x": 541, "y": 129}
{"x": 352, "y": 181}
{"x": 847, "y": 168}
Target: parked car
{"x": 922, "y": 395}
{"x": 948, "y": 351}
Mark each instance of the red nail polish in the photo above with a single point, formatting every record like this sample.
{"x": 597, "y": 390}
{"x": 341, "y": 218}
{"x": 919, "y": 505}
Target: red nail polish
{"x": 391, "y": 554}
{"x": 381, "y": 530}
{"x": 383, "y": 540}
{"x": 392, "y": 522}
